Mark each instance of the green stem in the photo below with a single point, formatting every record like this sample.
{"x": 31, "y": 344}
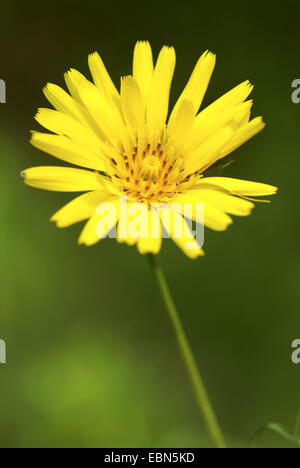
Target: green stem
{"x": 188, "y": 357}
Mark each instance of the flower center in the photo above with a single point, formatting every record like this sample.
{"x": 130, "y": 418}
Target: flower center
{"x": 150, "y": 172}
{"x": 150, "y": 168}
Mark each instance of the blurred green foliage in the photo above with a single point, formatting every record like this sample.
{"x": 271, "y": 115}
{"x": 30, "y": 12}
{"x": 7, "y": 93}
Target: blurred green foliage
{"x": 91, "y": 358}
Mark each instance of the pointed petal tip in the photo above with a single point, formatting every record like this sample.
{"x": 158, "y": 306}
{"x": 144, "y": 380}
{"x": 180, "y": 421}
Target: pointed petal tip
{"x": 142, "y": 42}
{"x": 260, "y": 121}
{"x": 32, "y": 136}
{"x": 49, "y": 86}
{"x": 193, "y": 255}
{"x": 208, "y": 54}
{"x": 80, "y": 240}
{"x": 273, "y": 190}
{"x": 58, "y": 224}
{"x": 168, "y": 49}
{"x": 93, "y": 54}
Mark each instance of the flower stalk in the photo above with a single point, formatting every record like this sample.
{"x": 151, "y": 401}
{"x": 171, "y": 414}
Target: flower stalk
{"x": 192, "y": 369}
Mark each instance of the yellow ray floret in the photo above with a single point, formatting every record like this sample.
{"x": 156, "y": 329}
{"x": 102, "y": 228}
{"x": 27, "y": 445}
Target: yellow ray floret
{"x": 143, "y": 173}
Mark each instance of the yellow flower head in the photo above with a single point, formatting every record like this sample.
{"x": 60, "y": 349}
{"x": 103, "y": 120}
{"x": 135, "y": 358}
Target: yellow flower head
{"x": 135, "y": 154}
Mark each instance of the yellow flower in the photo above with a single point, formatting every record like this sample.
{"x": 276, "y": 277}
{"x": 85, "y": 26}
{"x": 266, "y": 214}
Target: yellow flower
{"x": 130, "y": 151}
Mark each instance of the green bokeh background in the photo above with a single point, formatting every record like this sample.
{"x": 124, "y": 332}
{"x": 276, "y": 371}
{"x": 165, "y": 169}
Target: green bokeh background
{"x": 92, "y": 361}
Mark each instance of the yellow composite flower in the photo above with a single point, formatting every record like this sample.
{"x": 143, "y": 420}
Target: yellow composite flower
{"x": 129, "y": 147}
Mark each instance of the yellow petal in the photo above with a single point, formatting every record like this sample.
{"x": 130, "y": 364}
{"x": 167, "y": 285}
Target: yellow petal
{"x": 146, "y": 246}
{"x": 158, "y": 102}
{"x": 198, "y": 82}
{"x": 242, "y": 135}
{"x": 221, "y": 200}
{"x": 74, "y": 80}
{"x": 232, "y": 98}
{"x": 99, "y": 225}
{"x": 239, "y": 135}
{"x": 63, "y": 148}
{"x": 62, "y": 179}
{"x": 132, "y": 103}
{"x": 63, "y": 124}
{"x": 101, "y": 78}
{"x": 208, "y": 152}
{"x": 106, "y": 116}
{"x": 214, "y": 217}
{"x": 240, "y": 187}
{"x": 209, "y": 119}
{"x": 79, "y": 209}
{"x": 143, "y": 67}
{"x": 176, "y": 226}
{"x": 232, "y": 116}
{"x": 183, "y": 120}
{"x": 63, "y": 102}
{"x": 125, "y": 232}
{"x": 151, "y": 242}
{"x": 125, "y": 239}
{"x": 242, "y": 114}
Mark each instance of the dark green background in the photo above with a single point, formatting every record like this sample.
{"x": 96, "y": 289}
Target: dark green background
{"x": 91, "y": 357}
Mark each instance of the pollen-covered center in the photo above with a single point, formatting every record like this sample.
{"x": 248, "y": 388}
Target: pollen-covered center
{"x": 150, "y": 168}
{"x": 149, "y": 172}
